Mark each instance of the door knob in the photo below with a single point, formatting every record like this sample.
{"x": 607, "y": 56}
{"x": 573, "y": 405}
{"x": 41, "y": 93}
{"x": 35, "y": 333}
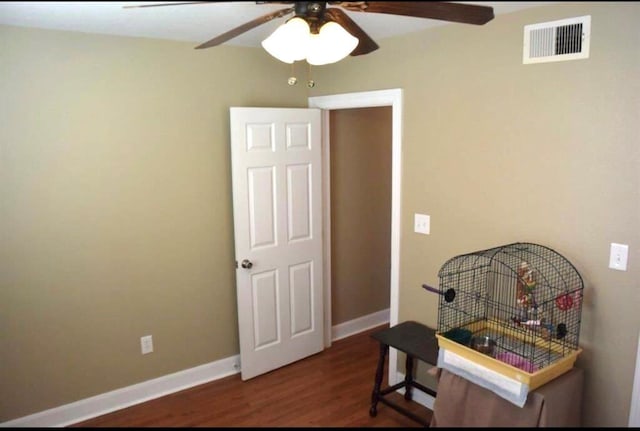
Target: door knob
{"x": 246, "y": 264}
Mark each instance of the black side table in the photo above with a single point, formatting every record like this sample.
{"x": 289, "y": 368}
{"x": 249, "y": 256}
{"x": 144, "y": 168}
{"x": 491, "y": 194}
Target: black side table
{"x": 416, "y": 341}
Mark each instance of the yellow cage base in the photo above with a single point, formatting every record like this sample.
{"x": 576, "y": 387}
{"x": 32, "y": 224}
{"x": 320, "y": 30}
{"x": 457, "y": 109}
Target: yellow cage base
{"x": 533, "y": 380}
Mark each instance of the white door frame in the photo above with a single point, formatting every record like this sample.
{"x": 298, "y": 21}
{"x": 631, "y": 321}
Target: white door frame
{"x": 393, "y": 98}
{"x": 634, "y": 412}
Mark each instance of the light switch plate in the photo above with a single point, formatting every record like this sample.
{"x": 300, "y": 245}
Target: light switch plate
{"x": 618, "y": 256}
{"x": 422, "y": 224}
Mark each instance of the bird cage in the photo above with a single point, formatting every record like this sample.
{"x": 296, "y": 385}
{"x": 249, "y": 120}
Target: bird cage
{"x": 515, "y": 309}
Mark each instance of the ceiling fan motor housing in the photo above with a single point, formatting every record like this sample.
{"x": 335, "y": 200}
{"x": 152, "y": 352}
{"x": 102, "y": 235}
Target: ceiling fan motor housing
{"x": 312, "y": 12}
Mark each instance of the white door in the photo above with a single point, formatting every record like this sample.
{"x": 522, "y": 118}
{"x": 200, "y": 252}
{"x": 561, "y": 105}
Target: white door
{"x": 277, "y": 210}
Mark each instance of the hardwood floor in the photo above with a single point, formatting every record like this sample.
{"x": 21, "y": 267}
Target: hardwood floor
{"x": 330, "y": 389}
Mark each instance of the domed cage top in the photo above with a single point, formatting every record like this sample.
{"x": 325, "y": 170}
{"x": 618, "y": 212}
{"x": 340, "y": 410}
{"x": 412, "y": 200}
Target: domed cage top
{"x": 526, "y": 298}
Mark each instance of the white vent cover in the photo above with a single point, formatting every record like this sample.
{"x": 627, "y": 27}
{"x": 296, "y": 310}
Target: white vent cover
{"x": 566, "y": 39}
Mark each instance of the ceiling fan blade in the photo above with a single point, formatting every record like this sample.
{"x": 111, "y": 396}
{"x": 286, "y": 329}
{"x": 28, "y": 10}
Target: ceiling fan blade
{"x": 456, "y": 12}
{"x": 365, "y": 44}
{"x": 245, "y": 27}
{"x": 163, "y": 4}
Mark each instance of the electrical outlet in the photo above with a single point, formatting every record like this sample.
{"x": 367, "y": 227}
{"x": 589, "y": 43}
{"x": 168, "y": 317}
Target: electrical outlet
{"x": 422, "y": 224}
{"x": 618, "y": 256}
{"x": 146, "y": 344}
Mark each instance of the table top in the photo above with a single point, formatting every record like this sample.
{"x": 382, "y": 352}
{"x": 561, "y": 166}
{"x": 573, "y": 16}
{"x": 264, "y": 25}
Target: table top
{"x": 413, "y": 338}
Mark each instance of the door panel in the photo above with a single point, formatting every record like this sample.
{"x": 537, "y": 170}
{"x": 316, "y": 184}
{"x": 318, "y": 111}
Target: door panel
{"x": 265, "y": 312}
{"x": 277, "y": 199}
{"x": 301, "y": 277}
{"x": 262, "y": 215}
{"x": 299, "y": 208}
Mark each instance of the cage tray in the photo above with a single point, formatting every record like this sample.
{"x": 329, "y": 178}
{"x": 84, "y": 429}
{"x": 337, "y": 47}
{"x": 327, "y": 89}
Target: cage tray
{"x": 505, "y": 359}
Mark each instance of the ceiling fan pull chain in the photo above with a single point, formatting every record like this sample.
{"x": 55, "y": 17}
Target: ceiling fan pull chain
{"x": 292, "y": 79}
{"x": 310, "y": 82}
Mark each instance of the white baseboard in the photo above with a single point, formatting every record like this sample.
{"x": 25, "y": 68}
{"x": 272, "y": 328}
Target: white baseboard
{"x": 135, "y": 394}
{"x": 360, "y": 324}
{"x": 125, "y": 397}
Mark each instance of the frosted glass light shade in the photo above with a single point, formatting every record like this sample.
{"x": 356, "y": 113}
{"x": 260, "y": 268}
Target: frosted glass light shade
{"x": 290, "y": 41}
{"x": 330, "y": 45}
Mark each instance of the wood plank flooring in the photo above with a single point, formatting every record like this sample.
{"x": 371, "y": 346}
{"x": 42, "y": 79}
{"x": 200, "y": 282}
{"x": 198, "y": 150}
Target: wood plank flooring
{"x": 330, "y": 389}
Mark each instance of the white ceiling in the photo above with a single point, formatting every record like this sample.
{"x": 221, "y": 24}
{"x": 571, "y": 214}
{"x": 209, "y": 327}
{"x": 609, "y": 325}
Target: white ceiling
{"x": 198, "y": 22}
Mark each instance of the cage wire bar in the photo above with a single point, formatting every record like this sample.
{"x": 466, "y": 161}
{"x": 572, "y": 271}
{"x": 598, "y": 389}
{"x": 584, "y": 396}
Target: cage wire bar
{"x": 526, "y": 297}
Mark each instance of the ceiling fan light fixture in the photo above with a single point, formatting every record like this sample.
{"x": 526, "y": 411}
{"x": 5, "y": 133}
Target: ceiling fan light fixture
{"x": 293, "y": 41}
{"x": 330, "y": 45}
{"x": 289, "y": 42}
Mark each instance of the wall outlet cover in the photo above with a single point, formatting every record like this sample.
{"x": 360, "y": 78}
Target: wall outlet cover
{"x": 146, "y": 344}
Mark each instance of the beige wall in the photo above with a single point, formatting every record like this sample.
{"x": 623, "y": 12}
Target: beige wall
{"x": 360, "y": 212}
{"x": 497, "y": 152}
{"x": 115, "y": 218}
{"x": 115, "y": 206}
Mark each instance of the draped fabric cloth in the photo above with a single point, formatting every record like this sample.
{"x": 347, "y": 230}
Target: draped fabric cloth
{"x": 460, "y": 403}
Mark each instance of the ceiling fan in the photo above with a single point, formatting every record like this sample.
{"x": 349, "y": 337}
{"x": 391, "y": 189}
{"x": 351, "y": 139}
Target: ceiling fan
{"x": 318, "y": 13}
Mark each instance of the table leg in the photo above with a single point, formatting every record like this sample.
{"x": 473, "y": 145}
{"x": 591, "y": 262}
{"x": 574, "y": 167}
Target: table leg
{"x": 408, "y": 377}
{"x": 375, "y": 395}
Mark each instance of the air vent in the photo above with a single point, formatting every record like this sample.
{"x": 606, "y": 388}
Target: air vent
{"x": 566, "y": 39}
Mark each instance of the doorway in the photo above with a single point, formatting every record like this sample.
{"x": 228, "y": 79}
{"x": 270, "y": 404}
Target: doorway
{"x": 392, "y": 98}
{"x": 360, "y": 180}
